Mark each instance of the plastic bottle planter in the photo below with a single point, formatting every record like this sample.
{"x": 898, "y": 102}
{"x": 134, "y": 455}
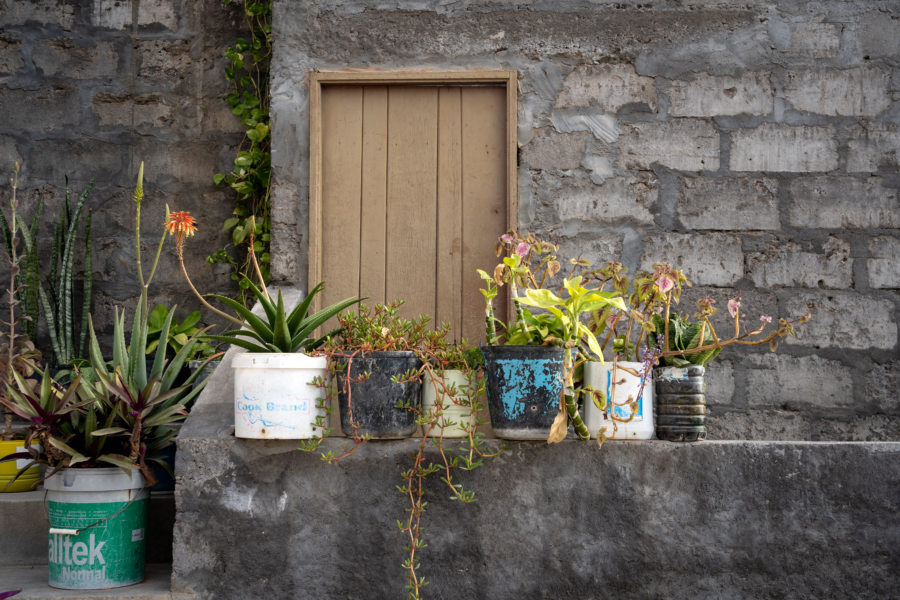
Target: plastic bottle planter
{"x": 8, "y": 470}
{"x": 377, "y": 402}
{"x": 98, "y": 522}
{"x": 524, "y": 384}
{"x": 680, "y": 404}
{"x": 616, "y": 380}
{"x": 274, "y": 397}
{"x": 452, "y": 412}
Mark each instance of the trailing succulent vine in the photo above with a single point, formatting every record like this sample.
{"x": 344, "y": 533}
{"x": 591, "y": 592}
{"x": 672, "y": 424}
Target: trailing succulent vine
{"x": 381, "y": 328}
{"x": 248, "y": 73}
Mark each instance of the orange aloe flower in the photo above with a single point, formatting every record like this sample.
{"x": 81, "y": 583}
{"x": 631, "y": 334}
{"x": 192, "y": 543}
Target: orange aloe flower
{"x": 180, "y": 224}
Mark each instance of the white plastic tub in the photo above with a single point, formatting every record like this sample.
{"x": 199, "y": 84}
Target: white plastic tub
{"x": 274, "y": 397}
{"x": 617, "y": 380}
{"x": 458, "y": 414}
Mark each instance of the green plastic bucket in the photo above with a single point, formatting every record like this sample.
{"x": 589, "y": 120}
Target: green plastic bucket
{"x": 98, "y": 522}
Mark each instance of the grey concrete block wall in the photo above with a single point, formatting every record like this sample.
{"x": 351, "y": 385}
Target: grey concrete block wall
{"x": 91, "y": 89}
{"x": 755, "y": 144}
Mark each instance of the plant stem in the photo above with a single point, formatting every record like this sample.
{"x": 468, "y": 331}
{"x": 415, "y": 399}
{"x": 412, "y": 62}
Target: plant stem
{"x": 571, "y": 404}
{"x": 11, "y": 299}
{"x": 200, "y": 297}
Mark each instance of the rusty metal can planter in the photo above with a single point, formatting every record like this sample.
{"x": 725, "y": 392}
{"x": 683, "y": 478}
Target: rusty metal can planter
{"x": 524, "y": 386}
{"x": 382, "y": 409}
{"x": 680, "y": 404}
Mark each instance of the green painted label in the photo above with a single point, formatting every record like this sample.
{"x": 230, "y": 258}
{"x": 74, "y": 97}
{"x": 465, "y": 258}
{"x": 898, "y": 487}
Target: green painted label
{"x": 109, "y": 554}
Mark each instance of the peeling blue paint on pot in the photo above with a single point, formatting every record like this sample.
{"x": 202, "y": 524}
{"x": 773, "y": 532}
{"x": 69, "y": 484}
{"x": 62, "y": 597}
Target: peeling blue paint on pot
{"x": 524, "y": 385}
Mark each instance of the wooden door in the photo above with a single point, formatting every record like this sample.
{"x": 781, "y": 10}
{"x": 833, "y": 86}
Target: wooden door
{"x": 412, "y": 192}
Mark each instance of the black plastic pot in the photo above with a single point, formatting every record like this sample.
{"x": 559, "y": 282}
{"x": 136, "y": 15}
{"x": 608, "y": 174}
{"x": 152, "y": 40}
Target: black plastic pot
{"x": 381, "y": 408}
{"x": 524, "y": 385}
{"x": 680, "y": 409}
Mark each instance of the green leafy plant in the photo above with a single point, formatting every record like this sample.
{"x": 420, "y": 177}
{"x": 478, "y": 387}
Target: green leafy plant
{"x": 57, "y": 298}
{"x": 178, "y": 335}
{"x": 626, "y": 330}
{"x": 17, "y": 352}
{"x": 685, "y": 343}
{"x": 250, "y": 179}
{"x": 147, "y": 397}
{"x": 530, "y": 263}
{"x": 276, "y": 330}
{"x": 382, "y": 328}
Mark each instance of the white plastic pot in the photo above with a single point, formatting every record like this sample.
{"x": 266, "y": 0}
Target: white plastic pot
{"x": 274, "y": 397}
{"x": 617, "y": 380}
{"x": 458, "y": 414}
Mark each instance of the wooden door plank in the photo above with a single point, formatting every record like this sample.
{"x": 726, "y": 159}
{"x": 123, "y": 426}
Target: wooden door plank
{"x": 484, "y": 201}
{"x": 412, "y": 188}
{"x": 341, "y": 189}
{"x": 449, "y": 211}
{"x": 374, "y": 194}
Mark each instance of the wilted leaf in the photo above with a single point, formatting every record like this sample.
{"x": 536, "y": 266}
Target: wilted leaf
{"x": 559, "y": 428}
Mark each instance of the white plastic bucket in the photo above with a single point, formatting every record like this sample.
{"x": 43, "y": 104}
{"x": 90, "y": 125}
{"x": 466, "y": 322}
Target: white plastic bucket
{"x": 98, "y": 522}
{"x": 274, "y": 397}
{"x": 458, "y": 414}
{"x": 617, "y": 380}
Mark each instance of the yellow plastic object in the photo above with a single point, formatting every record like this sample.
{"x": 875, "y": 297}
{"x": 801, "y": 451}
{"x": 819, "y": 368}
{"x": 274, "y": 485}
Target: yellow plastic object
{"x": 8, "y": 470}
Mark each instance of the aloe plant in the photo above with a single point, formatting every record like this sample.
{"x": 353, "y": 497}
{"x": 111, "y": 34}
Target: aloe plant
{"x": 279, "y": 331}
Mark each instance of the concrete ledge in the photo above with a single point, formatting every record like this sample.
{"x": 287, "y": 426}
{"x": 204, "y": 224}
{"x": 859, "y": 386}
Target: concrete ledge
{"x": 33, "y": 583}
{"x": 629, "y": 520}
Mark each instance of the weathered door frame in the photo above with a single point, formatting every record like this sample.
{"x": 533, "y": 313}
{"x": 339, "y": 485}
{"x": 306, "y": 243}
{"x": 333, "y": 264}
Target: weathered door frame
{"x": 318, "y": 79}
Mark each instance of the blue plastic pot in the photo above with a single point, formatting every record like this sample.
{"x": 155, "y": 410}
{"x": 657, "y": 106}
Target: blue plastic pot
{"x": 524, "y": 386}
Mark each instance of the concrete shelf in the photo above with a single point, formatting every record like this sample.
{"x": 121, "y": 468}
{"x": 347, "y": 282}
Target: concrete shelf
{"x": 32, "y": 580}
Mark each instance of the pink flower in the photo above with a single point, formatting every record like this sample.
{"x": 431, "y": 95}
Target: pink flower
{"x": 522, "y": 248}
{"x": 734, "y": 305}
{"x": 665, "y": 283}
{"x": 765, "y": 318}
{"x": 506, "y": 238}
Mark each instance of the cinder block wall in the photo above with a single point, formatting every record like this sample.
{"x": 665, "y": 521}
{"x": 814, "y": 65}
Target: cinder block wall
{"x": 91, "y": 89}
{"x": 755, "y": 145}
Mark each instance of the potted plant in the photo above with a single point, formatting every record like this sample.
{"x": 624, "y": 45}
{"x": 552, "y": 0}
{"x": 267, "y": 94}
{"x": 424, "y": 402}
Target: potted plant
{"x": 275, "y": 390}
{"x": 530, "y": 366}
{"x": 378, "y": 371}
{"x": 684, "y": 349}
{"x": 620, "y": 392}
{"x": 17, "y": 356}
{"x": 380, "y": 364}
{"x": 449, "y": 386}
{"x": 96, "y": 436}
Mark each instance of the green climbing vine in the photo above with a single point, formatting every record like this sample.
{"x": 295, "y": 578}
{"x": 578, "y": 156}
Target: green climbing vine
{"x": 248, "y": 72}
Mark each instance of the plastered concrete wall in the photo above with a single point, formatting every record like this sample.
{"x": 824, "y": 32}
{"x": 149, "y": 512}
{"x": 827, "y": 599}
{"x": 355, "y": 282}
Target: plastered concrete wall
{"x": 744, "y": 519}
{"x": 91, "y": 88}
{"x": 755, "y": 145}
